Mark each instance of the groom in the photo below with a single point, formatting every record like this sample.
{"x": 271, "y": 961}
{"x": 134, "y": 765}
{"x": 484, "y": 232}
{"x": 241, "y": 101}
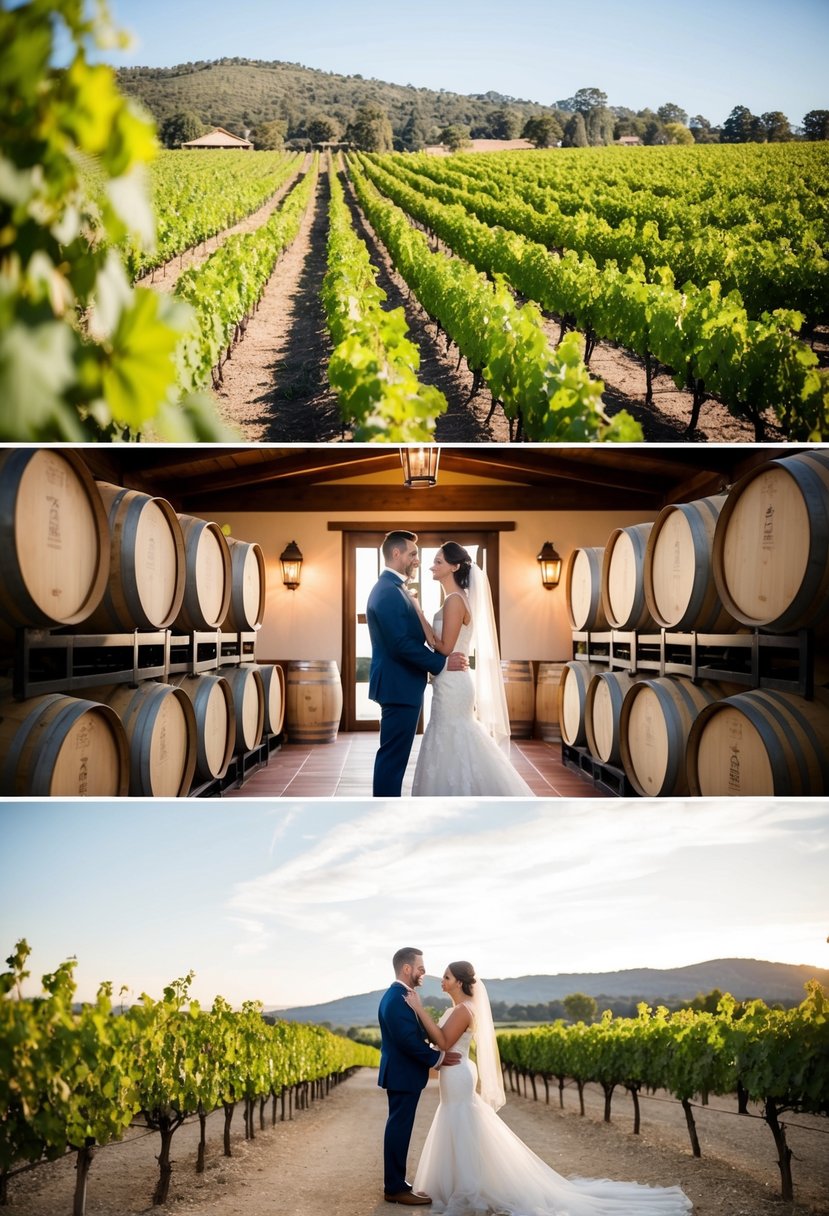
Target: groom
{"x": 400, "y": 661}
{"x": 405, "y": 1060}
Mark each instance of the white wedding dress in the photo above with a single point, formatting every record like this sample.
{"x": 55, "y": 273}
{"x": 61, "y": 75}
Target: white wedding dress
{"x": 457, "y": 756}
{"x": 472, "y": 1163}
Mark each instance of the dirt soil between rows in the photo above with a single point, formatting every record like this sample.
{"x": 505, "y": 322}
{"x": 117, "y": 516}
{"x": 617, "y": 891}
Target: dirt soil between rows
{"x": 274, "y": 386}
{"x": 327, "y": 1160}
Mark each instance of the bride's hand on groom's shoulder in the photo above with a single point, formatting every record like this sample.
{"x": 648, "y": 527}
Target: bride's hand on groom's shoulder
{"x": 414, "y": 1002}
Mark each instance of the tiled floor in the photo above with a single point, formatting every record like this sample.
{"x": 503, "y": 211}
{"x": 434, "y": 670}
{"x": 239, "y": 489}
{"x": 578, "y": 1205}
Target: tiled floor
{"x": 343, "y": 769}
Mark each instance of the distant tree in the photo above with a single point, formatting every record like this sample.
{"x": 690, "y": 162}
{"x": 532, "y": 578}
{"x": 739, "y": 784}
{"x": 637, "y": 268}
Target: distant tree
{"x": 816, "y": 124}
{"x": 371, "y": 130}
{"x": 415, "y": 134}
{"x": 600, "y": 125}
{"x": 672, "y": 113}
{"x": 654, "y": 133}
{"x": 678, "y": 133}
{"x": 587, "y": 99}
{"x": 504, "y": 124}
{"x": 775, "y": 126}
{"x": 575, "y": 132}
{"x": 706, "y": 1002}
{"x": 739, "y": 127}
{"x": 543, "y": 130}
{"x": 269, "y": 136}
{"x": 702, "y": 130}
{"x": 322, "y": 128}
{"x": 180, "y": 128}
{"x": 455, "y": 137}
{"x": 580, "y": 1007}
{"x": 629, "y": 124}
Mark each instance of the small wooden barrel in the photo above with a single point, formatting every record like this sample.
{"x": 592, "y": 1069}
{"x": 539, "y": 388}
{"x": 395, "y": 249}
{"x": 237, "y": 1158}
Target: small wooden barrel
{"x": 761, "y": 744}
{"x": 161, "y": 730}
{"x": 248, "y": 587}
{"x": 54, "y": 540}
{"x": 572, "y": 696}
{"x": 248, "y": 692}
{"x": 273, "y": 679}
{"x": 313, "y": 700}
{"x": 62, "y": 747}
{"x": 207, "y": 581}
{"x": 623, "y": 584}
{"x": 215, "y": 722}
{"x": 771, "y": 546}
{"x": 657, "y": 715}
{"x": 679, "y": 575}
{"x": 603, "y": 712}
{"x": 583, "y": 589}
{"x": 546, "y": 701}
{"x": 145, "y": 588}
{"x": 520, "y": 693}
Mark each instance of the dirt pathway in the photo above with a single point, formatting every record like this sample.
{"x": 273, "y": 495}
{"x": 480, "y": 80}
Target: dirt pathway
{"x": 327, "y": 1161}
{"x": 164, "y": 278}
{"x": 275, "y": 387}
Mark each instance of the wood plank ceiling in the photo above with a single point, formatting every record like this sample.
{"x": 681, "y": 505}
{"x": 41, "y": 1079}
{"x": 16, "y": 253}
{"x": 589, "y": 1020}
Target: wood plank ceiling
{"x": 519, "y": 477}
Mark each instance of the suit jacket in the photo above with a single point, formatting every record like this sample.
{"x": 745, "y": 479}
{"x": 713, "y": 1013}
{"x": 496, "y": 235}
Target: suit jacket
{"x": 405, "y": 1056}
{"x": 400, "y": 659}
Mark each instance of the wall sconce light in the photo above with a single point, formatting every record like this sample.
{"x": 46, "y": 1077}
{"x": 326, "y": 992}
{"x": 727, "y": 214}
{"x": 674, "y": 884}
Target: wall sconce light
{"x": 550, "y": 564}
{"x": 420, "y": 466}
{"x": 291, "y": 558}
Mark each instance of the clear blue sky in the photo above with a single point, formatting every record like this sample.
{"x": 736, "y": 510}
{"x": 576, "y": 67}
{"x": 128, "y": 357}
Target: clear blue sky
{"x": 295, "y": 903}
{"x": 707, "y": 57}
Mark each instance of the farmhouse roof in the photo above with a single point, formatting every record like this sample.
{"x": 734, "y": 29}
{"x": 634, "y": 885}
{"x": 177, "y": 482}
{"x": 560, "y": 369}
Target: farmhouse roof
{"x": 218, "y": 138}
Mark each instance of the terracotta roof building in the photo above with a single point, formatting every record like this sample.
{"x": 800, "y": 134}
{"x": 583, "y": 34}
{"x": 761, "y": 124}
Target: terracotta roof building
{"x": 219, "y": 138}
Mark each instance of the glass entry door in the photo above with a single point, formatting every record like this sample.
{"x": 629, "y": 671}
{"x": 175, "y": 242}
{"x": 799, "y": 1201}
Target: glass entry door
{"x": 363, "y": 563}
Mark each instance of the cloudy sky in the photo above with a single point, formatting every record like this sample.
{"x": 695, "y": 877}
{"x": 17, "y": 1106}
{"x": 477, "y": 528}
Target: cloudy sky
{"x": 305, "y": 902}
{"x": 707, "y": 57}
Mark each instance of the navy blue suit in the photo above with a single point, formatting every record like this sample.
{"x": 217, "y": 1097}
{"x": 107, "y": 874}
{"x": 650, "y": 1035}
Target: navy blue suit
{"x": 405, "y": 1060}
{"x": 400, "y": 662}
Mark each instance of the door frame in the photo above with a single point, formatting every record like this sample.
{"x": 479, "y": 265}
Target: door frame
{"x": 357, "y": 534}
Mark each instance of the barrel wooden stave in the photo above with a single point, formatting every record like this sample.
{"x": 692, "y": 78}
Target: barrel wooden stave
{"x": 519, "y": 689}
{"x": 161, "y": 730}
{"x": 602, "y": 714}
{"x": 54, "y": 540}
{"x": 771, "y": 545}
{"x": 623, "y": 585}
{"x": 215, "y": 714}
{"x": 761, "y": 743}
{"x": 657, "y": 715}
{"x": 583, "y": 589}
{"x": 273, "y": 678}
{"x": 313, "y": 700}
{"x": 207, "y": 581}
{"x": 248, "y": 692}
{"x": 679, "y": 585}
{"x": 572, "y": 696}
{"x": 59, "y": 746}
{"x": 145, "y": 584}
{"x": 546, "y": 701}
{"x": 248, "y": 586}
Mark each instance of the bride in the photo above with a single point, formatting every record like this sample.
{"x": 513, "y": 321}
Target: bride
{"x": 465, "y": 747}
{"x": 473, "y": 1163}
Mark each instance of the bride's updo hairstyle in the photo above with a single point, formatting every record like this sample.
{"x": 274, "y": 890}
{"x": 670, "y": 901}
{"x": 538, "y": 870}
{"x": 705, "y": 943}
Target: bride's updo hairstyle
{"x": 456, "y": 555}
{"x": 464, "y": 973}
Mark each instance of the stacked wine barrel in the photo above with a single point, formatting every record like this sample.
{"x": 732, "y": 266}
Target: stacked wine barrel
{"x": 101, "y": 559}
{"x": 756, "y": 558}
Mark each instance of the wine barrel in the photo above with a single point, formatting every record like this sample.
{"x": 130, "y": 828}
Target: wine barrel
{"x": 208, "y": 575}
{"x": 771, "y": 545}
{"x": 247, "y": 587}
{"x": 546, "y": 701}
{"x": 519, "y": 689}
{"x": 273, "y": 679}
{"x": 761, "y": 743}
{"x": 657, "y": 715}
{"x": 572, "y": 695}
{"x": 54, "y": 540}
{"x": 583, "y": 589}
{"x": 623, "y": 585}
{"x": 62, "y": 747}
{"x": 248, "y": 692}
{"x": 313, "y": 700}
{"x": 215, "y": 714}
{"x": 602, "y": 714}
{"x": 145, "y": 587}
{"x": 161, "y": 730}
{"x": 679, "y": 576}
